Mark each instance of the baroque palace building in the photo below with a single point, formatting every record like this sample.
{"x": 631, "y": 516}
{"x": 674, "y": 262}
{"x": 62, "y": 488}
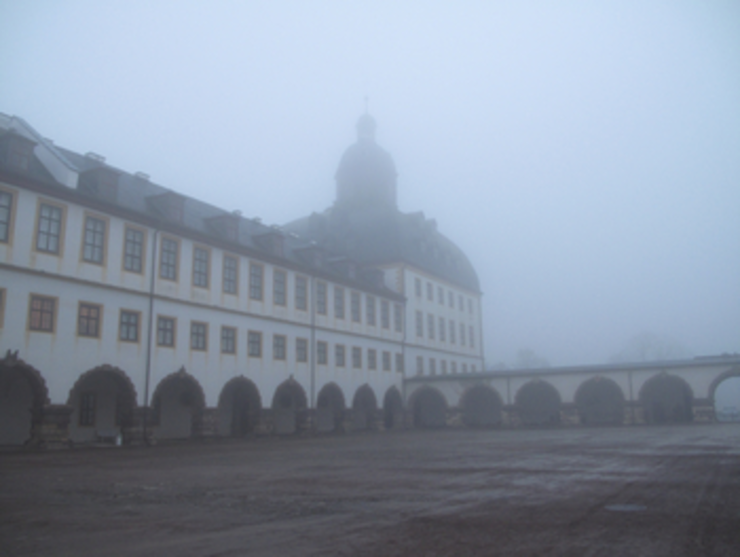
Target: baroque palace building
{"x": 129, "y": 311}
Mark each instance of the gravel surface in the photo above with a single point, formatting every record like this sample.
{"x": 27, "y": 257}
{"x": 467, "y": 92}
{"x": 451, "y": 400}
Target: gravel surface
{"x": 672, "y": 491}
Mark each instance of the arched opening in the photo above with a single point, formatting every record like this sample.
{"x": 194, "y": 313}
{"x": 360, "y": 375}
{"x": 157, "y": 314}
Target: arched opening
{"x": 600, "y": 402}
{"x": 392, "y": 409}
{"x": 429, "y": 408}
{"x": 177, "y": 406}
{"x": 288, "y": 406}
{"x": 22, "y": 397}
{"x": 329, "y": 408}
{"x": 727, "y": 398}
{"x": 481, "y": 407}
{"x": 364, "y": 408}
{"x": 103, "y": 401}
{"x": 538, "y": 404}
{"x": 667, "y": 399}
{"x": 239, "y": 408}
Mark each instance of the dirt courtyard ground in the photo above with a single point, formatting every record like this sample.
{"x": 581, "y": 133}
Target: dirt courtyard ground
{"x": 631, "y": 491}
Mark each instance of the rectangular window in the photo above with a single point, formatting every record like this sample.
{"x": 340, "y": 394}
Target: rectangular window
{"x": 165, "y": 331}
{"x": 278, "y": 347}
{"x": 440, "y": 295}
{"x": 87, "y": 409}
{"x": 339, "y": 355}
{"x": 357, "y": 357}
{"x": 41, "y": 315}
{"x": 432, "y": 366}
{"x": 321, "y": 298}
{"x": 88, "y": 320}
{"x": 200, "y": 267}
{"x": 386, "y": 360}
{"x": 462, "y": 334}
{"x": 133, "y": 250}
{"x": 443, "y": 367}
{"x": 198, "y": 336}
{"x": 419, "y": 365}
{"x": 228, "y": 340}
{"x": 430, "y": 292}
{"x": 372, "y": 358}
{"x": 442, "y": 329}
{"x": 370, "y": 310}
{"x": 452, "y": 331}
{"x": 254, "y": 344}
{"x": 417, "y": 286}
{"x": 453, "y": 367}
{"x": 397, "y": 318}
{"x": 322, "y": 357}
{"x": 301, "y": 293}
{"x": 49, "y": 231}
{"x": 168, "y": 259}
{"x": 338, "y": 302}
{"x": 255, "y": 281}
{"x": 465, "y": 368}
{"x": 419, "y": 324}
{"x": 399, "y": 362}
{"x": 6, "y": 213}
{"x": 450, "y": 299}
{"x": 385, "y": 314}
{"x": 460, "y": 305}
{"x": 355, "y": 306}
{"x": 301, "y": 350}
{"x": 470, "y": 306}
{"x": 230, "y": 275}
{"x": 471, "y": 337}
{"x": 93, "y": 246}
{"x": 279, "y": 283}
{"x": 430, "y": 326}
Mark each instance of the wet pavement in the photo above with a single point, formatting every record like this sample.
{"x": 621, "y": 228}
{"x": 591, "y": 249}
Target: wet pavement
{"x": 672, "y": 491}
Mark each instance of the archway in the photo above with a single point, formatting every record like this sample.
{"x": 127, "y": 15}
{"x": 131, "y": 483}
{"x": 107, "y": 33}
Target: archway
{"x": 667, "y": 399}
{"x": 392, "y": 408}
{"x": 600, "y": 402}
{"x": 239, "y": 407}
{"x": 23, "y": 394}
{"x": 329, "y": 408}
{"x": 538, "y": 404}
{"x": 103, "y": 401}
{"x": 178, "y": 404}
{"x": 288, "y": 406}
{"x": 429, "y": 408}
{"x": 481, "y": 406}
{"x": 364, "y": 408}
{"x": 725, "y": 396}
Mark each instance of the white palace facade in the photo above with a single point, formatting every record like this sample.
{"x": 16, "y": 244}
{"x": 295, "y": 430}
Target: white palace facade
{"x": 131, "y": 312}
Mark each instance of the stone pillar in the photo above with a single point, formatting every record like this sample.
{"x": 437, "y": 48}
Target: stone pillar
{"x": 52, "y": 432}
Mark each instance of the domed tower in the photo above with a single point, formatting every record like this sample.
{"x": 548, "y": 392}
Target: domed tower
{"x": 366, "y": 175}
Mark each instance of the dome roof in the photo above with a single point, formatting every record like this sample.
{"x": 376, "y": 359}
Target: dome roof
{"x": 365, "y": 224}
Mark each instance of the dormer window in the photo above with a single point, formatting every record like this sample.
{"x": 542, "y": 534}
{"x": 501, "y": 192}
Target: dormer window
{"x": 169, "y": 205}
{"x": 226, "y": 226}
{"x": 100, "y": 182}
{"x": 16, "y": 151}
{"x": 272, "y": 242}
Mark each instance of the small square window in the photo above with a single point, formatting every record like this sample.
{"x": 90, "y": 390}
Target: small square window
{"x": 230, "y": 275}
{"x": 301, "y": 293}
{"x": 42, "y": 313}
{"x": 279, "y": 285}
{"x": 278, "y": 347}
{"x": 255, "y": 281}
{"x": 168, "y": 259}
{"x": 228, "y": 340}
{"x": 198, "y": 336}
{"x": 339, "y": 355}
{"x": 254, "y": 344}
{"x": 301, "y": 350}
{"x": 165, "y": 331}
{"x": 322, "y": 357}
{"x": 133, "y": 250}
{"x": 49, "y": 228}
{"x": 88, "y": 320}
{"x": 201, "y": 266}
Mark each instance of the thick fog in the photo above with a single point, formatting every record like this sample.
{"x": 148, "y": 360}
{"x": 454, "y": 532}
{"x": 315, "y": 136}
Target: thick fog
{"x": 585, "y": 155}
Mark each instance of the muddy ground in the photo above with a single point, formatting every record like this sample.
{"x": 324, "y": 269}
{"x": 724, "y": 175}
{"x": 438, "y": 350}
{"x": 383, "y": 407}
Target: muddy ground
{"x": 672, "y": 491}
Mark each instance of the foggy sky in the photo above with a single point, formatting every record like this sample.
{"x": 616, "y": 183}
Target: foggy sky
{"x": 585, "y": 155}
